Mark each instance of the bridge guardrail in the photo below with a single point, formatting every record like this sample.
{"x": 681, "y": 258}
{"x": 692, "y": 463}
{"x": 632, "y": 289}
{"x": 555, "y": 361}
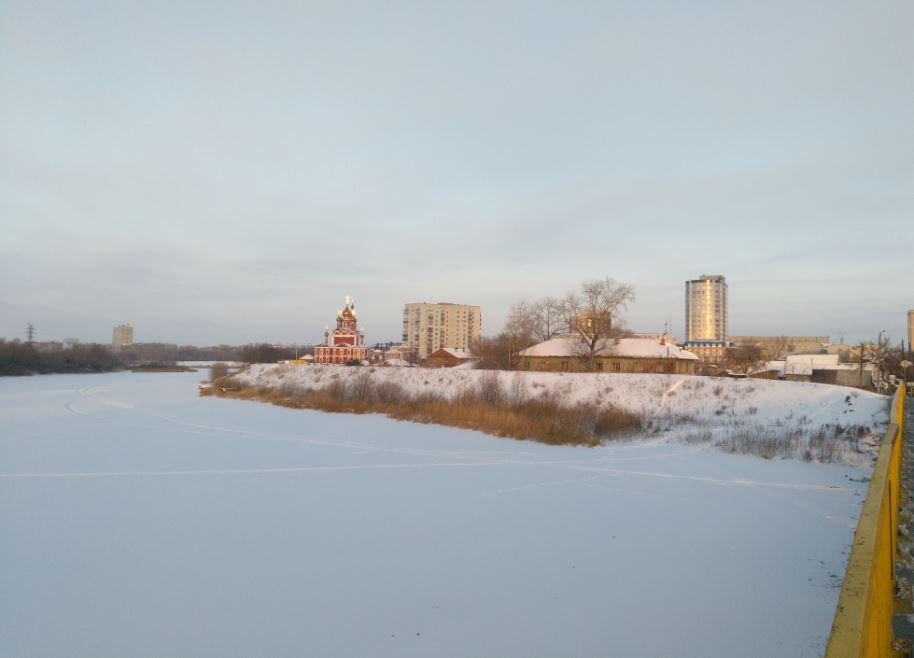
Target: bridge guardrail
{"x": 863, "y": 619}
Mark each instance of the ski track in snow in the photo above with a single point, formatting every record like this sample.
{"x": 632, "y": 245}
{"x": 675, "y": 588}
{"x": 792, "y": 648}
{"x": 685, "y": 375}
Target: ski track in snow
{"x": 484, "y": 459}
{"x": 671, "y": 390}
{"x": 306, "y": 470}
{"x": 289, "y": 470}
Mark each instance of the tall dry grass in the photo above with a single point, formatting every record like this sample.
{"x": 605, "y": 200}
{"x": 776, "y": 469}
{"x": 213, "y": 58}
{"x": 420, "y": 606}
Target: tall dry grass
{"x": 490, "y": 407}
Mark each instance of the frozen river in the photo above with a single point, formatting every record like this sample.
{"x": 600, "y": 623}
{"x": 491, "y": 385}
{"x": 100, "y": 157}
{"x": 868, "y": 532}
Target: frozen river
{"x": 137, "y": 519}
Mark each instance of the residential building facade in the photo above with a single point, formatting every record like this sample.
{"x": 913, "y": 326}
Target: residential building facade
{"x": 706, "y": 312}
{"x": 122, "y": 336}
{"x": 428, "y": 328}
{"x": 778, "y": 347}
{"x": 710, "y": 351}
{"x": 346, "y": 344}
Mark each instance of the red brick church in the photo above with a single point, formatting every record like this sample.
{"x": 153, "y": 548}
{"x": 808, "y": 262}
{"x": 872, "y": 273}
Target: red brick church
{"x": 346, "y": 343}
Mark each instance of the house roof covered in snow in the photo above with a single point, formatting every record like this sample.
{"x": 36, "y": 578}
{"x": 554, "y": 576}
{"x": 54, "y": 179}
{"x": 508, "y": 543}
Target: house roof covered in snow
{"x": 813, "y": 359}
{"x": 635, "y": 348}
{"x": 398, "y": 363}
{"x": 458, "y": 353}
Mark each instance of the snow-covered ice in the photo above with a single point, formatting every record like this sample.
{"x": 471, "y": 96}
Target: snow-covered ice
{"x": 137, "y": 519}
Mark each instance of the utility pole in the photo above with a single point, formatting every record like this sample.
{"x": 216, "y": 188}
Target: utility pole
{"x": 861, "y": 363}
{"x": 30, "y": 332}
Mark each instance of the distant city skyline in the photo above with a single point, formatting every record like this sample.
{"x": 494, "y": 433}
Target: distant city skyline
{"x": 226, "y": 172}
{"x": 396, "y": 335}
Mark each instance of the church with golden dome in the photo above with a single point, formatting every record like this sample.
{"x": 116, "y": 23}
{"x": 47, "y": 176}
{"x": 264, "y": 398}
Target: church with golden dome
{"x": 346, "y": 344}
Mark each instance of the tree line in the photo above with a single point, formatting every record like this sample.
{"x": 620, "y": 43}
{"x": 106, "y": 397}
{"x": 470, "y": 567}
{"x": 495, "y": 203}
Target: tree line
{"x": 593, "y": 313}
{"x": 26, "y": 358}
{"x": 18, "y": 358}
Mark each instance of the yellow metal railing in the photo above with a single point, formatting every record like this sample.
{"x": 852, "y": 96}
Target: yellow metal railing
{"x": 863, "y": 619}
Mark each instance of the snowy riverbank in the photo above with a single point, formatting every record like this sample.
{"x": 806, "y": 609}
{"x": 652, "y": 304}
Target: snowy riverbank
{"x": 767, "y": 418}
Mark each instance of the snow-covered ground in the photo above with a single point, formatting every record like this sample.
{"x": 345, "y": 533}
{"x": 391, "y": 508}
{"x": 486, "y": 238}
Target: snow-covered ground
{"x": 734, "y": 414}
{"x": 137, "y": 519}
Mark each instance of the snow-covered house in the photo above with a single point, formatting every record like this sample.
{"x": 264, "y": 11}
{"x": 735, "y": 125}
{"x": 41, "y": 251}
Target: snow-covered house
{"x": 799, "y": 367}
{"x": 448, "y": 357}
{"x": 569, "y": 353}
{"x": 820, "y": 369}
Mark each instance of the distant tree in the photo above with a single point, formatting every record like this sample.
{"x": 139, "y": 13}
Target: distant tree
{"x": 593, "y": 314}
{"x": 150, "y": 353}
{"x": 493, "y": 353}
{"x": 520, "y": 332}
{"x": 746, "y": 358}
{"x": 535, "y": 322}
{"x": 886, "y": 359}
{"x": 777, "y": 348}
{"x": 549, "y": 319}
{"x": 217, "y": 371}
{"x": 18, "y": 358}
{"x": 266, "y": 353}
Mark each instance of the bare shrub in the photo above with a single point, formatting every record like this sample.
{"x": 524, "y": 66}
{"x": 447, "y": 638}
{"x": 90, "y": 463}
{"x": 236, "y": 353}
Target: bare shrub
{"x": 489, "y": 388}
{"x": 823, "y": 447}
{"x": 389, "y": 393}
{"x": 717, "y": 390}
{"x": 336, "y": 389}
{"x": 762, "y": 441}
{"x": 518, "y": 393}
{"x": 703, "y": 435}
{"x": 360, "y": 386}
{"x": 218, "y": 370}
{"x": 288, "y": 389}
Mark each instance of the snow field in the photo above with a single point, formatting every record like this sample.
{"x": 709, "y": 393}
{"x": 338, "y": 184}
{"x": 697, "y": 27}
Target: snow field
{"x": 140, "y": 519}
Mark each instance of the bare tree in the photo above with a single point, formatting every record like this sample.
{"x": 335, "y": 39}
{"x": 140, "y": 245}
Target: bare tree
{"x": 777, "y": 348}
{"x": 548, "y": 319}
{"x": 493, "y": 353}
{"x": 529, "y": 323}
{"x": 746, "y": 358}
{"x": 521, "y": 325}
{"x": 881, "y": 357}
{"x": 592, "y": 314}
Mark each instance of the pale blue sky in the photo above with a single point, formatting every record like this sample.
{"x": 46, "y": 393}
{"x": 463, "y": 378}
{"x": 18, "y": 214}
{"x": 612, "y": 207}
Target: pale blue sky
{"x": 228, "y": 171}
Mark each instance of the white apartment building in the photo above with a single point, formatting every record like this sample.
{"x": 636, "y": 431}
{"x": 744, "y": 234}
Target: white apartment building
{"x": 706, "y": 309}
{"x": 429, "y": 327}
{"x": 122, "y": 336}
